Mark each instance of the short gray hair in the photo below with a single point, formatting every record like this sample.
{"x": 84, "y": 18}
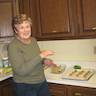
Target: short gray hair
{"x": 20, "y": 19}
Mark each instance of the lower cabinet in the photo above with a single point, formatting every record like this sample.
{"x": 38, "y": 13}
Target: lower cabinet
{"x": 6, "y": 88}
{"x": 81, "y": 91}
{"x": 57, "y": 89}
{"x": 65, "y": 90}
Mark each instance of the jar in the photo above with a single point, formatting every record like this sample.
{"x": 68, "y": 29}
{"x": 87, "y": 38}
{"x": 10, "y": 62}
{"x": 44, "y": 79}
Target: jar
{"x": 5, "y": 62}
{"x": 1, "y": 63}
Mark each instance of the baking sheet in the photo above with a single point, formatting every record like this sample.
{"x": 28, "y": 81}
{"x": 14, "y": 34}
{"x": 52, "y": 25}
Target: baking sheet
{"x": 81, "y": 74}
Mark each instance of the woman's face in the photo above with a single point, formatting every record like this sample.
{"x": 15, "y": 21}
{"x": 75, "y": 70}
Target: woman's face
{"x": 23, "y": 30}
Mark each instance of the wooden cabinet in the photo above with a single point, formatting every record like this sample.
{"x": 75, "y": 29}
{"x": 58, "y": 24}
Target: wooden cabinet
{"x": 24, "y": 6}
{"x": 57, "y": 89}
{"x": 86, "y": 18}
{"x": 81, "y": 91}
{"x": 8, "y": 9}
{"x": 66, "y": 90}
{"x": 6, "y": 88}
{"x": 61, "y": 19}
{"x": 55, "y": 19}
{"x": 52, "y": 19}
{"x": 29, "y": 7}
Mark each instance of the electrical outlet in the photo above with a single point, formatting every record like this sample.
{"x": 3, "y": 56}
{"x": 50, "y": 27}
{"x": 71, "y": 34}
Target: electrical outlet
{"x": 94, "y": 50}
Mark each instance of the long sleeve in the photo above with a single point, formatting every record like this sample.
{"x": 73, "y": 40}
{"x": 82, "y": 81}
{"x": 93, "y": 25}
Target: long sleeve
{"x": 20, "y": 65}
{"x": 26, "y": 62}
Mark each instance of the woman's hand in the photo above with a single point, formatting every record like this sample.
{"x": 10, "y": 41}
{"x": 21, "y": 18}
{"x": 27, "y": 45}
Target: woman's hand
{"x": 46, "y": 53}
{"x": 48, "y": 62}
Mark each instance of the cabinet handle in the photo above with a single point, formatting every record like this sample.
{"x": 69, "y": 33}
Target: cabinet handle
{"x": 77, "y": 94}
{"x": 54, "y": 31}
{"x": 94, "y": 28}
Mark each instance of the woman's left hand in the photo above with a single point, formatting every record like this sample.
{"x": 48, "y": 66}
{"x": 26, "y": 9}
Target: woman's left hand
{"x": 46, "y": 53}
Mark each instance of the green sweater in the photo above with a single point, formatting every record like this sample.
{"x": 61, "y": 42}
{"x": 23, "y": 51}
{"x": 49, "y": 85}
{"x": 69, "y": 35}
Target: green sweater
{"x": 26, "y": 62}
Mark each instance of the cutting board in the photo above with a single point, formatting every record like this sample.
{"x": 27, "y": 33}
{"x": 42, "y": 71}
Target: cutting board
{"x": 92, "y": 79}
{"x": 81, "y": 74}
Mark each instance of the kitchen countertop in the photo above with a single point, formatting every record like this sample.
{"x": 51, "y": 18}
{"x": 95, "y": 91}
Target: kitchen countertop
{"x": 5, "y": 72}
{"x": 5, "y": 77}
{"x": 89, "y": 83}
{"x": 56, "y": 78}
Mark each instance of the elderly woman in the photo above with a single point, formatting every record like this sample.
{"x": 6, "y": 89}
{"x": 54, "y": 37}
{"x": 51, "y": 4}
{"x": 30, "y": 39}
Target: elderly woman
{"x": 26, "y": 60}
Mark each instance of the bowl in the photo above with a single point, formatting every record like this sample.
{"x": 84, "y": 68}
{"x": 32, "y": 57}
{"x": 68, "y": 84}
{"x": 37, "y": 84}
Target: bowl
{"x": 57, "y": 69}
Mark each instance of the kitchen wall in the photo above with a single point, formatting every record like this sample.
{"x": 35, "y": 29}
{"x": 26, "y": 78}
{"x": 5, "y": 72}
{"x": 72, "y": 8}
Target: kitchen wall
{"x": 70, "y": 50}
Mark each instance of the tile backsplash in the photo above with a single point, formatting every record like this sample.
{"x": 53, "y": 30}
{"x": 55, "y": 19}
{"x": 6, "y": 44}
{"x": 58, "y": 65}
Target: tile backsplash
{"x": 71, "y": 50}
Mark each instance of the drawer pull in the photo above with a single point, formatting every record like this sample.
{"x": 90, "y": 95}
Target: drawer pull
{"x": 77, "y": 94}
{"x": 94, "y": 28}
{"x": 54, "y": 31}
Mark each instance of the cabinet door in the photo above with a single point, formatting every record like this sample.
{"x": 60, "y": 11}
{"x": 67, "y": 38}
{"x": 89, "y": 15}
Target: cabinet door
{"x": 29, "y": 7}
{"x": 7, "y": 11}
{"x": 87, "y": 17}
{"x": 81, "y": 91}
{"x": 6, "y": 88}
{"x": 57, "y": 89}
{"x": 55, "y": 19}
{"x": 24, "y": 6}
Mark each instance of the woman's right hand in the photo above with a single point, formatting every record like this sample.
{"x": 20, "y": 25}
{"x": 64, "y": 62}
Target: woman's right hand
{"x": 49, "y": 62}
{"x": 46, "y": 53}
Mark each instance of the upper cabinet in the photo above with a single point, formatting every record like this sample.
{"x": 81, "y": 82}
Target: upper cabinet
{"x": 25, "y": 6}
{"x": 8, "y": 9}
{"x": 87, "y": 17}
{"x": 61, "y": 19}
{"x": 29, "y": 7}
{"x": 55, "y": 19}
